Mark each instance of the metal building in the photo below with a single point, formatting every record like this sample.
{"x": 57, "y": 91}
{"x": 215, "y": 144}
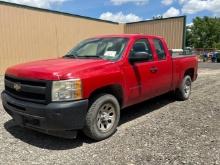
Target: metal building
{"x": 29, "y": 33}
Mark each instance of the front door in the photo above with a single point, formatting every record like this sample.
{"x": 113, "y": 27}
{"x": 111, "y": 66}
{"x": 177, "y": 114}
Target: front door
{"x": 142, "y": 74}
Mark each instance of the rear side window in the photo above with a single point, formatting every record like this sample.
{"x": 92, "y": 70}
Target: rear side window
{"x": 159, "y": 49}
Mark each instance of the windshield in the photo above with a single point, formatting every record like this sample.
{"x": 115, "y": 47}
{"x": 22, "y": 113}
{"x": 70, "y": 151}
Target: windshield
{"x": 107, "y": 48}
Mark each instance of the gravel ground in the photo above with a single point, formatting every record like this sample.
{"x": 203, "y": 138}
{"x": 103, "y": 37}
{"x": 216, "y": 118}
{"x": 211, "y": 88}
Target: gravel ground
{"x": 159, "y": 131}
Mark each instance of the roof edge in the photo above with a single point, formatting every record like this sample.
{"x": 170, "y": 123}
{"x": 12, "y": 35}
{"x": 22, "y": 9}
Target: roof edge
{"x": 161, "y": 19}
{"x": 54, "y": 12}
{"x": 80, "y": 16}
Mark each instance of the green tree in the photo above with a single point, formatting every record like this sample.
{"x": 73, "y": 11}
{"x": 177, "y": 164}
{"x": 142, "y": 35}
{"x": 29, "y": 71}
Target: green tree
{"x": 189, "y": 36}
{"x": 204, "y": 33}
{"x": 217, "y": 46}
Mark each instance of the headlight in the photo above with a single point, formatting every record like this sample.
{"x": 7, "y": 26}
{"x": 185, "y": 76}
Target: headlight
{"x": 67, "y": 90}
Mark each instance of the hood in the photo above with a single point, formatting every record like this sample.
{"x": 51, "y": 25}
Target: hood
{"x": 56, "y": 69}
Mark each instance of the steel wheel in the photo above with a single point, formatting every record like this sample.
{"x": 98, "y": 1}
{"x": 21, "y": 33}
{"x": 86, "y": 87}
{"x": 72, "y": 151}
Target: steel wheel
{"x": 187, "y": 88}
{"x": 106, "y": 117}
{"x": 102, "y": 117}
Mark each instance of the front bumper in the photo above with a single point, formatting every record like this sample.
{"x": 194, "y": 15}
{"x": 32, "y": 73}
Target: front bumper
{"x": 51, "y": 118}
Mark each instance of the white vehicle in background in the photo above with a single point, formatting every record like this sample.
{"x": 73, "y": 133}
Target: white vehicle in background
{"x": 180, "y": 52}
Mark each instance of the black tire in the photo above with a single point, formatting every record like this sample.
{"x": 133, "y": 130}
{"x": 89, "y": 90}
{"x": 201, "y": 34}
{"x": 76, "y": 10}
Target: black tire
{"x": 183, "y": 93}
{"x": 93, "y": 118}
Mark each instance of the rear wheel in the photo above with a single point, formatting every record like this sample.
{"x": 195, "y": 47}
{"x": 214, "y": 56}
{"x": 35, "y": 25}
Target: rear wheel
{"x": 102, "y": 118}
{"x": 184, "y": 91}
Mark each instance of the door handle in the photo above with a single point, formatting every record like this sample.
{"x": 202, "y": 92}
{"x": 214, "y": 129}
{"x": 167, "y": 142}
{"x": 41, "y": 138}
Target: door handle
{"x": 154, "y": 69}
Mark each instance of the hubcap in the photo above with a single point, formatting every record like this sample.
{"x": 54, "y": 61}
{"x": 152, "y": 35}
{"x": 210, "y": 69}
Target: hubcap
{"x": 106, "y": 117}
{"x": 187, "y": 88}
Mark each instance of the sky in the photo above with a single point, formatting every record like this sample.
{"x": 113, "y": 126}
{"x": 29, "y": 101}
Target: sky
{"x": 130, "y": 10}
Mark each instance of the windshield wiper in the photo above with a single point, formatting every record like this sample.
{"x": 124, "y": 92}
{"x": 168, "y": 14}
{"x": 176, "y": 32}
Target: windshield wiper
{"x": 84, "y": 56}
{"x": 70, "y": 55}
{"x": 89, "y": 56}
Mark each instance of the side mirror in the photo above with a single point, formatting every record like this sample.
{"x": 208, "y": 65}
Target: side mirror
{"x": 139, "y": 57}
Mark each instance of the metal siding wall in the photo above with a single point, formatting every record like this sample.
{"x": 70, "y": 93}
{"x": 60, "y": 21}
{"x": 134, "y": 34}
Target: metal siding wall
{"x": 27, "y": 35}
{"x": 170, "y": 29}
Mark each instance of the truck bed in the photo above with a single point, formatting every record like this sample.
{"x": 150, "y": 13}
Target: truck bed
{"x": 183, "y": 62}
{"x": 182, "y": 56}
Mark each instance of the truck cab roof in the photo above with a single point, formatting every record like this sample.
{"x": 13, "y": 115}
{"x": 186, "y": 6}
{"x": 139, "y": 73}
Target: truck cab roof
{"x": 128, "y": 35}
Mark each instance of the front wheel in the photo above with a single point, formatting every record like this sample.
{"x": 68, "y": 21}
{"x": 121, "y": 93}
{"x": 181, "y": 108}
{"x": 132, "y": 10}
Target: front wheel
{"x": 102, "y": 118}
{"x": 184, "y": 91}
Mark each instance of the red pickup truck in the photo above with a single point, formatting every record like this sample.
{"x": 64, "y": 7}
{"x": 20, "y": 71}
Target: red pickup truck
{"x": 87, "y": 88}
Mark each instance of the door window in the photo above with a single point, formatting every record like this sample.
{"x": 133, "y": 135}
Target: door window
{"x": 142, "y": 45}
{"x": 159, "y": 49}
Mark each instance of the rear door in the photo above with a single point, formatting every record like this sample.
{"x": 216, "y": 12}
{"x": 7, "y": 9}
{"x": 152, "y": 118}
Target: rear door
{"x": 163, "y": 64}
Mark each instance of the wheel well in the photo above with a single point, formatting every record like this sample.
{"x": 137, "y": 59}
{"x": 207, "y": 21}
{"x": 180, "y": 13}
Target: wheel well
{"x": 115, "y": 90}
{"x": 189, "y": 72}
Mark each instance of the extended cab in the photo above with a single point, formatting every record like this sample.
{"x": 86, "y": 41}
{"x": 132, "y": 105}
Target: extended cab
{"x": 87, "y": 88}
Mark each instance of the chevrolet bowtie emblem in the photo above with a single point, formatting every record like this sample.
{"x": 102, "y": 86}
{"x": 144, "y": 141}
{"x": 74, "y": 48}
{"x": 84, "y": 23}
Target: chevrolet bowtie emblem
{"x": 17, "y": 87}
